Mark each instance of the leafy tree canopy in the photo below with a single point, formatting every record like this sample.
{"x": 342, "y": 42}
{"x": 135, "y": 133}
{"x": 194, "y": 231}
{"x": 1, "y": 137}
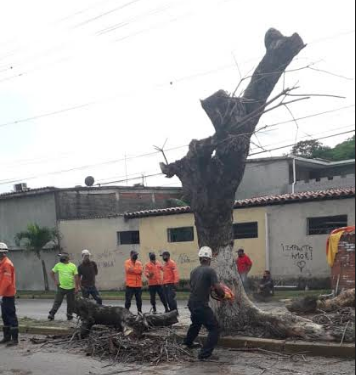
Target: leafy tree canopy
{"x": 316, "y": 150}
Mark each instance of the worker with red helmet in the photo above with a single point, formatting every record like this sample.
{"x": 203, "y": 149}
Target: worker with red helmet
{"x": 203, "y": 281}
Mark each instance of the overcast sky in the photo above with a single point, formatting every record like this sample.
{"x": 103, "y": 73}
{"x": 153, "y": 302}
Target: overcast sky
{"x": 108, "y": 78}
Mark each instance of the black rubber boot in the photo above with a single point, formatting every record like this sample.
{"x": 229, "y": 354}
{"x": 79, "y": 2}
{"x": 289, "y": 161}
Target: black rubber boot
{"x": 7, "y": 336}
{"x": 14, "y": 337}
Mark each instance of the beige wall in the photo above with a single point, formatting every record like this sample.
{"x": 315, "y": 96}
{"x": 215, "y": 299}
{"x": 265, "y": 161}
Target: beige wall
{"x": 153, "y": 232}
{"x": 100, "y": 237}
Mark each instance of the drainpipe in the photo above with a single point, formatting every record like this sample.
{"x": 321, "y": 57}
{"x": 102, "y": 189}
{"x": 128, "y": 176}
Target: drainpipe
{"x": 294, "y": 175}
{"x": 268, "y": 259}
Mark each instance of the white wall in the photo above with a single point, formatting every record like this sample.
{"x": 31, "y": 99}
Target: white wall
{"x": 100, "y": 237}
{"x": 293, "y": 253}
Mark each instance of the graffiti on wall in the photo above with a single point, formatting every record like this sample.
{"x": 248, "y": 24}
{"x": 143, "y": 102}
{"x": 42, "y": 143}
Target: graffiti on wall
{"x": 185, "y": 259}
{"x": 301, "y": 255}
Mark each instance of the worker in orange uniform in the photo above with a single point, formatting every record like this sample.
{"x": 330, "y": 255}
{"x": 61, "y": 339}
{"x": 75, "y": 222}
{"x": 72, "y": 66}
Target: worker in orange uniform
{"x": 153, "y": 272}
{"x": 134, "y": 271}
{"x": 170, "y": 280}
{"x": 8, "y": 292}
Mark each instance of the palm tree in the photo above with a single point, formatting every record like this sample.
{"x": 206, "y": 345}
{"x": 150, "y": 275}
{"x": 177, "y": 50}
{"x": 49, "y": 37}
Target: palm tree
{"x": 35, "y": 239}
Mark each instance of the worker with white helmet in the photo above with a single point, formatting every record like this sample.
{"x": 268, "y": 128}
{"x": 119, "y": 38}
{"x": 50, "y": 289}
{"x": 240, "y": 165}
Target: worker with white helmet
{"x": 203, "y": 281}
{"x": 87, "y": 271}
{"x": 8, "y": 292}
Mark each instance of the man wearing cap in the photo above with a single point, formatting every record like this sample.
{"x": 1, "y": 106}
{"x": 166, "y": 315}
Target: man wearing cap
{"x": 134, "y": 271}
{"x": 153, "y": 272}
{"x": 8, "y": 292}
{"x": 67, "y": 284}
{"x": 87, "y": 272}
{"x": 203, "y": 281}
{"x": 170, "y": 280}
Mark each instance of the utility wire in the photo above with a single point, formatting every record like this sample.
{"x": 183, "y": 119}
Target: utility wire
{"x": 5, "y": 182}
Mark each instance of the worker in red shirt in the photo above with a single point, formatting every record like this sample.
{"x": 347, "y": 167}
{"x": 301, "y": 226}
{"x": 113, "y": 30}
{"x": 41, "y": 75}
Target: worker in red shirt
{"x": 244, "y": 266}
{"x": 134, "y": 271}
{"x": 153, "y": 272}
{"x": 8, "y": 292}
{"x": 170, "y": 280}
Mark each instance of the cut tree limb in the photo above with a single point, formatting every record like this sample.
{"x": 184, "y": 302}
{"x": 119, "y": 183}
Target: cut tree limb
{"x": 92, "y": 314}
{"x": 311, "y": 305}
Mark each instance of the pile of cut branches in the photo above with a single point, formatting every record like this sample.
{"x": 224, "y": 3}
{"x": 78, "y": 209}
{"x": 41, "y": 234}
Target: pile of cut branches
{"x": 106, "y": 343}
{"x": 337, "y": 319}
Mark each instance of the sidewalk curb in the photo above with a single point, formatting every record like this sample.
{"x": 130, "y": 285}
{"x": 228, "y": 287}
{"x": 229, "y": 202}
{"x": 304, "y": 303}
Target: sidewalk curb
{"x": 346, "y": 351}
{"x": 44, "y": 331}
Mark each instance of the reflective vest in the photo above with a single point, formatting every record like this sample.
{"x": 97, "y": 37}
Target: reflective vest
{"x": 134, "y": 273}
{"x": 153, "y": 272}
{"x": 7, "y": 278}
{"x": 170, "y": 273}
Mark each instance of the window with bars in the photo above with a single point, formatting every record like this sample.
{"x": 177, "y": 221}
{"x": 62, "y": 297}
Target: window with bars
{"x": 128, "y": 238}
{"x": 245, "y": 230}
{"x": 326, "y": 224}
{"x": 184, "y": 234}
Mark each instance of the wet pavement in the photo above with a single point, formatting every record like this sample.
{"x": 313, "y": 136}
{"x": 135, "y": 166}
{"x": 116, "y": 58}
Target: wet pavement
{"x": 29, "y": 359}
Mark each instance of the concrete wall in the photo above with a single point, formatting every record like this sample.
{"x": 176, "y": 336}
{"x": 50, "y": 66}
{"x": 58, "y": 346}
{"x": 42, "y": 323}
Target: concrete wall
{"x": 29, "y": 275}
{"x": 293, "y": 253}
{"x": 264, "y": 178}
{"x": 325, "y": 183}
{"x": 87, "y": 202}
{"x": 100, "y": 237}
{"x": 17, "y": 213}
{"x": 153, "y": 232}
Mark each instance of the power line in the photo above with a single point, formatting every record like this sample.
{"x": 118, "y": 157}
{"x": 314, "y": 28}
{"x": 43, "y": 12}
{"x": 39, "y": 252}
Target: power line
{"x": 293, "y": 144}
{"x": 311, "y": 116}
{"x": 6, "y": 182}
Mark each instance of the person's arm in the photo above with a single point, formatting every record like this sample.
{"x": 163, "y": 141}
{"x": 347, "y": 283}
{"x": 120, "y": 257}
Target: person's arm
{"x": 249, "y": 264}
{"x": 96, "y": 269}
{"x": 215, "y": 285}
{"x": 54, "y": 278}
{"x": 77, "y": 283}
{"x": 76, "y": 279}
{"x": 175, "y": 274}
{"x": 138, "y": 269}
{"x": 219, "y": 290}
{"x": 148, "y": 272}
{"x": 6, "y": 281}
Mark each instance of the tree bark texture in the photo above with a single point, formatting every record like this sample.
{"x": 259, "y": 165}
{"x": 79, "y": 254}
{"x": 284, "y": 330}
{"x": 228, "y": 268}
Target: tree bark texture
{"x": 213, "y": 169}
{"x": 92, "y": 314}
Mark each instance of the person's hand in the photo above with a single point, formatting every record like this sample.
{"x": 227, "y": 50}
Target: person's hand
{"x": 76, "y": 290}
{"x": 56, "y": 283}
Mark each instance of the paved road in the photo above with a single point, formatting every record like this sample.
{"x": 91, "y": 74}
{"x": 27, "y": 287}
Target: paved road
{"x": 33, "y": 360}
{"x": 38, "y": 309}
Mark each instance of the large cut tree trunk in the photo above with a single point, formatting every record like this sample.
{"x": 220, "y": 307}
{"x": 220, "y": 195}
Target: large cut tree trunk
{"x": 92, "y": 314}
{"x": 212, "y": 171}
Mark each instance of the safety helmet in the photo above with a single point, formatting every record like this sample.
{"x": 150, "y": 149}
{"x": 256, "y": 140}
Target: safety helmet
{"x": 86, "y": 253}
{"x": 3, "y": 248}
{"x": 229, "y": 294}
{"x": 206, "y": 252}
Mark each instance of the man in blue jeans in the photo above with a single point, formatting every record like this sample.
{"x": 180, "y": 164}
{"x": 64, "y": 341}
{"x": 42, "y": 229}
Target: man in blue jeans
{"x": 203, "y": 280}
{"x": 87, "y": 272}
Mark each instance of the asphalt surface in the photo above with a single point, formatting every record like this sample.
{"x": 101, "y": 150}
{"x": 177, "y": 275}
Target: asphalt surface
{"x": 29, "y": 359}
{"x": 38, "y": 309}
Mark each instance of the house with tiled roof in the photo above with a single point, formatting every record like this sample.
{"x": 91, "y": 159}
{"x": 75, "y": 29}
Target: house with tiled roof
{"x": 283, "y": 233}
